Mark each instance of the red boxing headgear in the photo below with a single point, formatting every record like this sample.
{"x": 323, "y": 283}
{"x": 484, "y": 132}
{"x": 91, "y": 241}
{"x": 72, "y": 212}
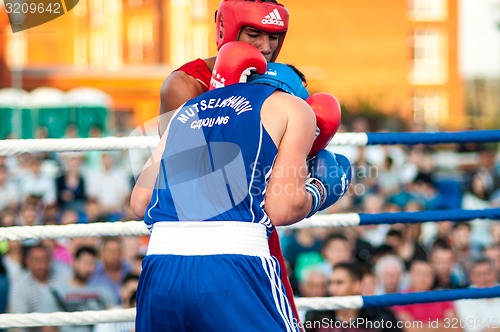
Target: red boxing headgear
{"x": 233, "y": 15}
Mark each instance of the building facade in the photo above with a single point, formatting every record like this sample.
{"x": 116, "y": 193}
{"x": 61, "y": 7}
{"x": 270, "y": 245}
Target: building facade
{"x": 399, "y": 56}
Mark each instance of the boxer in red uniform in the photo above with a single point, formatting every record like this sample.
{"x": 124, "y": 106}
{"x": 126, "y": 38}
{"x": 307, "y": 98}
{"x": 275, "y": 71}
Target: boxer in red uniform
{"x": 261, "y": 23}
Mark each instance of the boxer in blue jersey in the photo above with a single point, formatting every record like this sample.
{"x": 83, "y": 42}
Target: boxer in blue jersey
{"x": 230, "y": 167}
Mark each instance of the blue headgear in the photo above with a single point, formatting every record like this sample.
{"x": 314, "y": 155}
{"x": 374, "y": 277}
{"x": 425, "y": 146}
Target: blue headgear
{"x": 281, "y": 76}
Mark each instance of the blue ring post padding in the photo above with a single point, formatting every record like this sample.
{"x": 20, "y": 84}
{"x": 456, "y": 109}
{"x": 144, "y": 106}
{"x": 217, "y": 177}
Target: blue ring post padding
{"x": 455, "y": 215}
{"x": 388, "y": 300}
{"x": 434, "y": 138}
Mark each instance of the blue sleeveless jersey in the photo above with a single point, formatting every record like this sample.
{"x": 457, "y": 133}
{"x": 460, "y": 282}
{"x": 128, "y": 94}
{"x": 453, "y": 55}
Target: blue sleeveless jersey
{"x": 217, "y": 160}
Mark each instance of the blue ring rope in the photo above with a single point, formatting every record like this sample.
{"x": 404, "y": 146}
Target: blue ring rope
{"x": 478, "y": 136}
{"x": 388, "y": 300}
{"x": 455, "y": 215}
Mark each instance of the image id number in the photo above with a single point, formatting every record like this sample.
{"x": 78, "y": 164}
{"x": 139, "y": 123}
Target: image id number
{"x": 39, "y": 8}
{"x": 471, "y": 323}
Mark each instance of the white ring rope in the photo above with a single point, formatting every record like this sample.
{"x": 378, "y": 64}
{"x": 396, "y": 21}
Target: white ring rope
{"x": 329, "y": 303}
{"x": 135, "y": 228}
{"x": 67, "y": 318}
{"x": 128, "y": 315}
{"x": 357, "y": 139}
{"x": 15, "y": 146}
{"x": 119, "y": 228}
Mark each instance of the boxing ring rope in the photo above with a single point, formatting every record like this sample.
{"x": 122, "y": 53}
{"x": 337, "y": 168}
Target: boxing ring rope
{"x": 312, "y": 303}
{"x": 477, "y": 136}
{"x": 15, "y": 146}
{"x": 88, "y": 317}
{"x": 134, "y": 228}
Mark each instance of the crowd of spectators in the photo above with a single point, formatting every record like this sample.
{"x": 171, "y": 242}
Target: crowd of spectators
{"x": 68, "y": 274}
{"x": 401, "y": 258}
{"x": 99, "y": 273}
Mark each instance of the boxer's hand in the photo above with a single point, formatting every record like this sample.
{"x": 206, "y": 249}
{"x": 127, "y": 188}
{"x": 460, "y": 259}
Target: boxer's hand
{"x": 235, "y": 62}
{"x": 330, "y": 178}
{"x": 328, "y": 116}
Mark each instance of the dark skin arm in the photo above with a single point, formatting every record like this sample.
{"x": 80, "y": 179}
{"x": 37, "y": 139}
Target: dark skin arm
{"x": 178, "y": 88}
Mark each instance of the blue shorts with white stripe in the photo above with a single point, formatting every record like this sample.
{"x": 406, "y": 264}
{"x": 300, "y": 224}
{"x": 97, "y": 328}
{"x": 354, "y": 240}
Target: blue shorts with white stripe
{"x": 224, "y": 292}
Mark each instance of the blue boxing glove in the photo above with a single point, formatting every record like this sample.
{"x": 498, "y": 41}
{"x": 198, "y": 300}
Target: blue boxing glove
{"x": 330, "y": 175}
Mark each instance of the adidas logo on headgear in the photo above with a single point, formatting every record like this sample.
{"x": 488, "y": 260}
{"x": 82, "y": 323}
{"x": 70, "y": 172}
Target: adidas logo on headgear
{"x": 274, "y": 18}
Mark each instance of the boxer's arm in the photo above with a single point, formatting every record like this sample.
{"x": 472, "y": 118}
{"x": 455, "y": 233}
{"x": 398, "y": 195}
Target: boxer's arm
{"x": 177, "y": 88}
{"x": 286, "y": 198}
{"x": 143, "y": 189}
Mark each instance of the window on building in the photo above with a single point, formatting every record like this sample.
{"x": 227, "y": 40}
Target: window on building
{"x": 199, "y": 9}
{"x": 189, "y": 19}
{"x": 80, "y": 46}
{"x": 97, "y": 13}
{"x": 17, "y": 50}
{"x": 428, "y": 10}
{"x": 140, "y": 40}
{"x": 428, "y": 65}
{"x": 430, "y": 108}
{"x": 81, "y": 10}
{"x": 100, "y": 43}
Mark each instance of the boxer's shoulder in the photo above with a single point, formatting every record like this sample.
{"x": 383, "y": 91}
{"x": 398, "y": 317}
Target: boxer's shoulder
{"x": 285, "y": 103}
{"x": 177, "y": 88}
{"x": 200, "y": 68}
{"x": 283, "y": 110}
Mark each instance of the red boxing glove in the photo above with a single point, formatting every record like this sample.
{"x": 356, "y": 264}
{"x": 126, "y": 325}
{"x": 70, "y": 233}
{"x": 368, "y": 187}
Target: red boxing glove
{"x": 235, "y": 62}
{"x": 328, "y": 116}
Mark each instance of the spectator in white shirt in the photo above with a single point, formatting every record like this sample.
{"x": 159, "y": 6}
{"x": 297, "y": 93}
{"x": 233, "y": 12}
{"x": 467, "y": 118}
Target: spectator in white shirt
{"x": 35, "y": 182}
{"x": 8, "y": 191}
{"x": 110, "y": 185}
